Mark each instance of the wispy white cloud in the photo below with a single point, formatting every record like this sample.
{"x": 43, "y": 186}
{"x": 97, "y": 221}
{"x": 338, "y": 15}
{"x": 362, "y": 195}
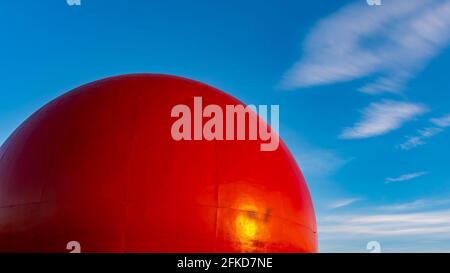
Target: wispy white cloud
{"x": 405, "y": 177}
{"x": 383, "y": 117}
{"x": 419, "y": 139}
{"x": 388, "y": 44}
{"x": 415, "y": 205}
{"x": 391, "y": 224}
{"x": 343, "y": 203}
{"x": 439, "y": 125}
{"x": 442, "y": 122}
{"x": 314, "y": 161}
{"x": 420, "y": 225}
{"x": 317, "y": 162}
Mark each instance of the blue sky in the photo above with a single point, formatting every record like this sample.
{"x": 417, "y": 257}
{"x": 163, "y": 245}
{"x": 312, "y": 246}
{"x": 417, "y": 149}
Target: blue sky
{"x": 363, "y": 91}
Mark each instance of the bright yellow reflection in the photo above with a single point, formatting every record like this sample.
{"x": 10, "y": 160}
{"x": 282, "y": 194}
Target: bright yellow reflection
{"x": 246, "y": 228}
{"x": 250, "y": 224}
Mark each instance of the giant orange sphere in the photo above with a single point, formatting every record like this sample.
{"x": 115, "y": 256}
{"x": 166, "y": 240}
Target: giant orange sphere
{"x": 99, "y": 166}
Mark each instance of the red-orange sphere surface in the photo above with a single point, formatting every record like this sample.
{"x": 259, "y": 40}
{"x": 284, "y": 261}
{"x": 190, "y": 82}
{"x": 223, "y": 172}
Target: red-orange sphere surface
{"x": 99, "y": 166}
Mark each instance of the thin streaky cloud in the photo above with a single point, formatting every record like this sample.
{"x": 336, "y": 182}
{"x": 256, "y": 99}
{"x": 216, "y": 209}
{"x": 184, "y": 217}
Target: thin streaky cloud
{"x": 317, "y": 162}
{"x": 382, "y": 117}
{"x": 442, "y": 122}
{"x": 415, "y": 205}
{"x": 428, "y": 223}
{"x": 405, "y": 177}
{"x": 343, "y": 203}
{"x": 388, "y": 45}
{"x": 422, "y": 135}
{"x": 409, "y": 226}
